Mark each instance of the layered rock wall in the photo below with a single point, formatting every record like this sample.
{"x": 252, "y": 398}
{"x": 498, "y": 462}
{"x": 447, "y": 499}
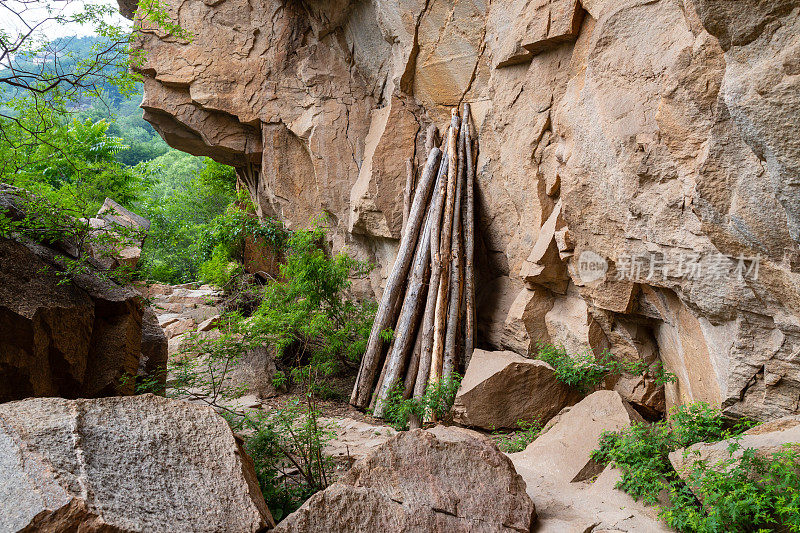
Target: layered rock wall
{"x": 638, "y": 176}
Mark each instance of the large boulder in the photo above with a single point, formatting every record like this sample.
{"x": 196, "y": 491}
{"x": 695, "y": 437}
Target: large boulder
{"x": 445, "y": 479}
{"x": 572, "y": 492}
{"x": 134, "y": 464}
{"x": 123, "y": 233}
{"x": 256, "y": 370}
{"x": 500, "y": 389}
{"x": 75, "y": 339}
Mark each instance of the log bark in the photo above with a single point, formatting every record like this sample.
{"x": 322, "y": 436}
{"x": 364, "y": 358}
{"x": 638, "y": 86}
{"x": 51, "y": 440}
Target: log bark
{"x": 444, "y": 252}
{"x": 469, "y": 242}
{"x": 413, "y": 306}
{"x": 374, "y": 398}
{"x": 431, "y": 138}
{"x": 433, "y": 287}
{"x": 408, "y": 194}
{"x": 385, "y": 316}
{"x": 413, "y": 366}
{"x": 456, "y": 266}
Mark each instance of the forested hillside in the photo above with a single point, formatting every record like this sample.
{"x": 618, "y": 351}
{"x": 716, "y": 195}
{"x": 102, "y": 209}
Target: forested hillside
{"x": 78, "y": 149}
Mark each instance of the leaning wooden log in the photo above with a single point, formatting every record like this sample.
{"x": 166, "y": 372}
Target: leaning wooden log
{"x": 444, "y": 252}
{"x": 433, "y": 287}
{"x": 413, "y": 307}
{"x": 374, "y": 398}
{"x": 413, "y": 366}
{"x": 431, "y": 138}
{"x": 384, "y": 318}
{"x": 409, "y": 192}
{"x": 456, "y": 267}
{"x": 469, "y": 241}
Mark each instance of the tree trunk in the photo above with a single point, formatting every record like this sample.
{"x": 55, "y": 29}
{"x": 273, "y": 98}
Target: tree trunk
{"x": 469, "y": 242}
{"x": 456, "y": 267}
{"x": 433, "y": 288}
{"x": 444, "y": 252}
{"x": 431, "y": 138}
{"x": 408, "y": 194}
{"x": 385, "y": 316}
{"x": 413, "y": 366}
{"x": 413, "y": 305}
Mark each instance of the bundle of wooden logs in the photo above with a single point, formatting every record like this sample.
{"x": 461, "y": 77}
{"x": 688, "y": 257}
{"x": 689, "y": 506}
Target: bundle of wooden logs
{"x": 429, "y": 299}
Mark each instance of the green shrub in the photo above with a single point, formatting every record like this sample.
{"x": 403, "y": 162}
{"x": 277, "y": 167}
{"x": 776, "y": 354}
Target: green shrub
{"x": 737, "y": 495}
{"x": 516, "y": 441}
{"x": 220, "y": 269}
{"x": 437, "y": 400}
{"x": 749, "y": 493}
{"x": 308, "y": 315}
{"x": 584, "y": 372}
{"x": 290, "y": 437}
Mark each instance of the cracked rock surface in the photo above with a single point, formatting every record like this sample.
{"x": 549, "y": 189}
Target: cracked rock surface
{"x": 132, "y": 464}
{"x": 657, "y": 137}
{"x": 443, "y": 479}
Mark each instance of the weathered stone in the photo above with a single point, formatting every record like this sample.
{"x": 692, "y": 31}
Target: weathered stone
{"x": 255, "y": 370}
{"x": 557, "y": 464}
{"x": 208, "y": 324}
{"x": 541, "y": 24}
{"x": 660, "y": 128}
{"x": 569, "y": 324}
{"x": 525, "y": 323}
{"x": 544, "y": 265}
{"x": 78, "y": 339}
{"x": 142, "y": 463}
{"x": 260, "y": 257}
{"x": 354, "y": 439}
{"x": 500, "y": 389}
{"x": 450, "y": 480}
{"x": 391, "y": 142}
{"x": 128, "y": 231}
{"x": 153, "y": 362}
{"x": 191, "y": 296}
{"x": 179, "y": 327}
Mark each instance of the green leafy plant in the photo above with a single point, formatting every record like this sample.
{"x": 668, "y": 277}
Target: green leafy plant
{"x": 219, "y": 270}
{"x": 308, "y": 315}
{"x": 516, "y": 441}
{"x": 290, "y": 438}
{"x": 742, "y": 493}
{"x": 437, "y": 400}
{"x": 585, "y": 371}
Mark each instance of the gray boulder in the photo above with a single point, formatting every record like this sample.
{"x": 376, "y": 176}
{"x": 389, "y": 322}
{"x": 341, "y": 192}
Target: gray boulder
{"x": 125, "y": 464}
{"x": 445, "y": 479}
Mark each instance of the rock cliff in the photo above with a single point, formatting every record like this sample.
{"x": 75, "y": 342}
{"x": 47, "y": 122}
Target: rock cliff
{"x": 638, "y": 176}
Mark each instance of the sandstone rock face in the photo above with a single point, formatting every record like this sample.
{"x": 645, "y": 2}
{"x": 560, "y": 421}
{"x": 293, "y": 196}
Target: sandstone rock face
{"x": 78, "y": 339}
{"x": 502, "y": 388}
{"x": 637, "y": 175}
{"x": 141, "y": 463}
{"x": 557, "y": 465}
{"x": 127, "y": 229}
{"x": 445, "y": 479}
{"x": 153, "y": 361}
